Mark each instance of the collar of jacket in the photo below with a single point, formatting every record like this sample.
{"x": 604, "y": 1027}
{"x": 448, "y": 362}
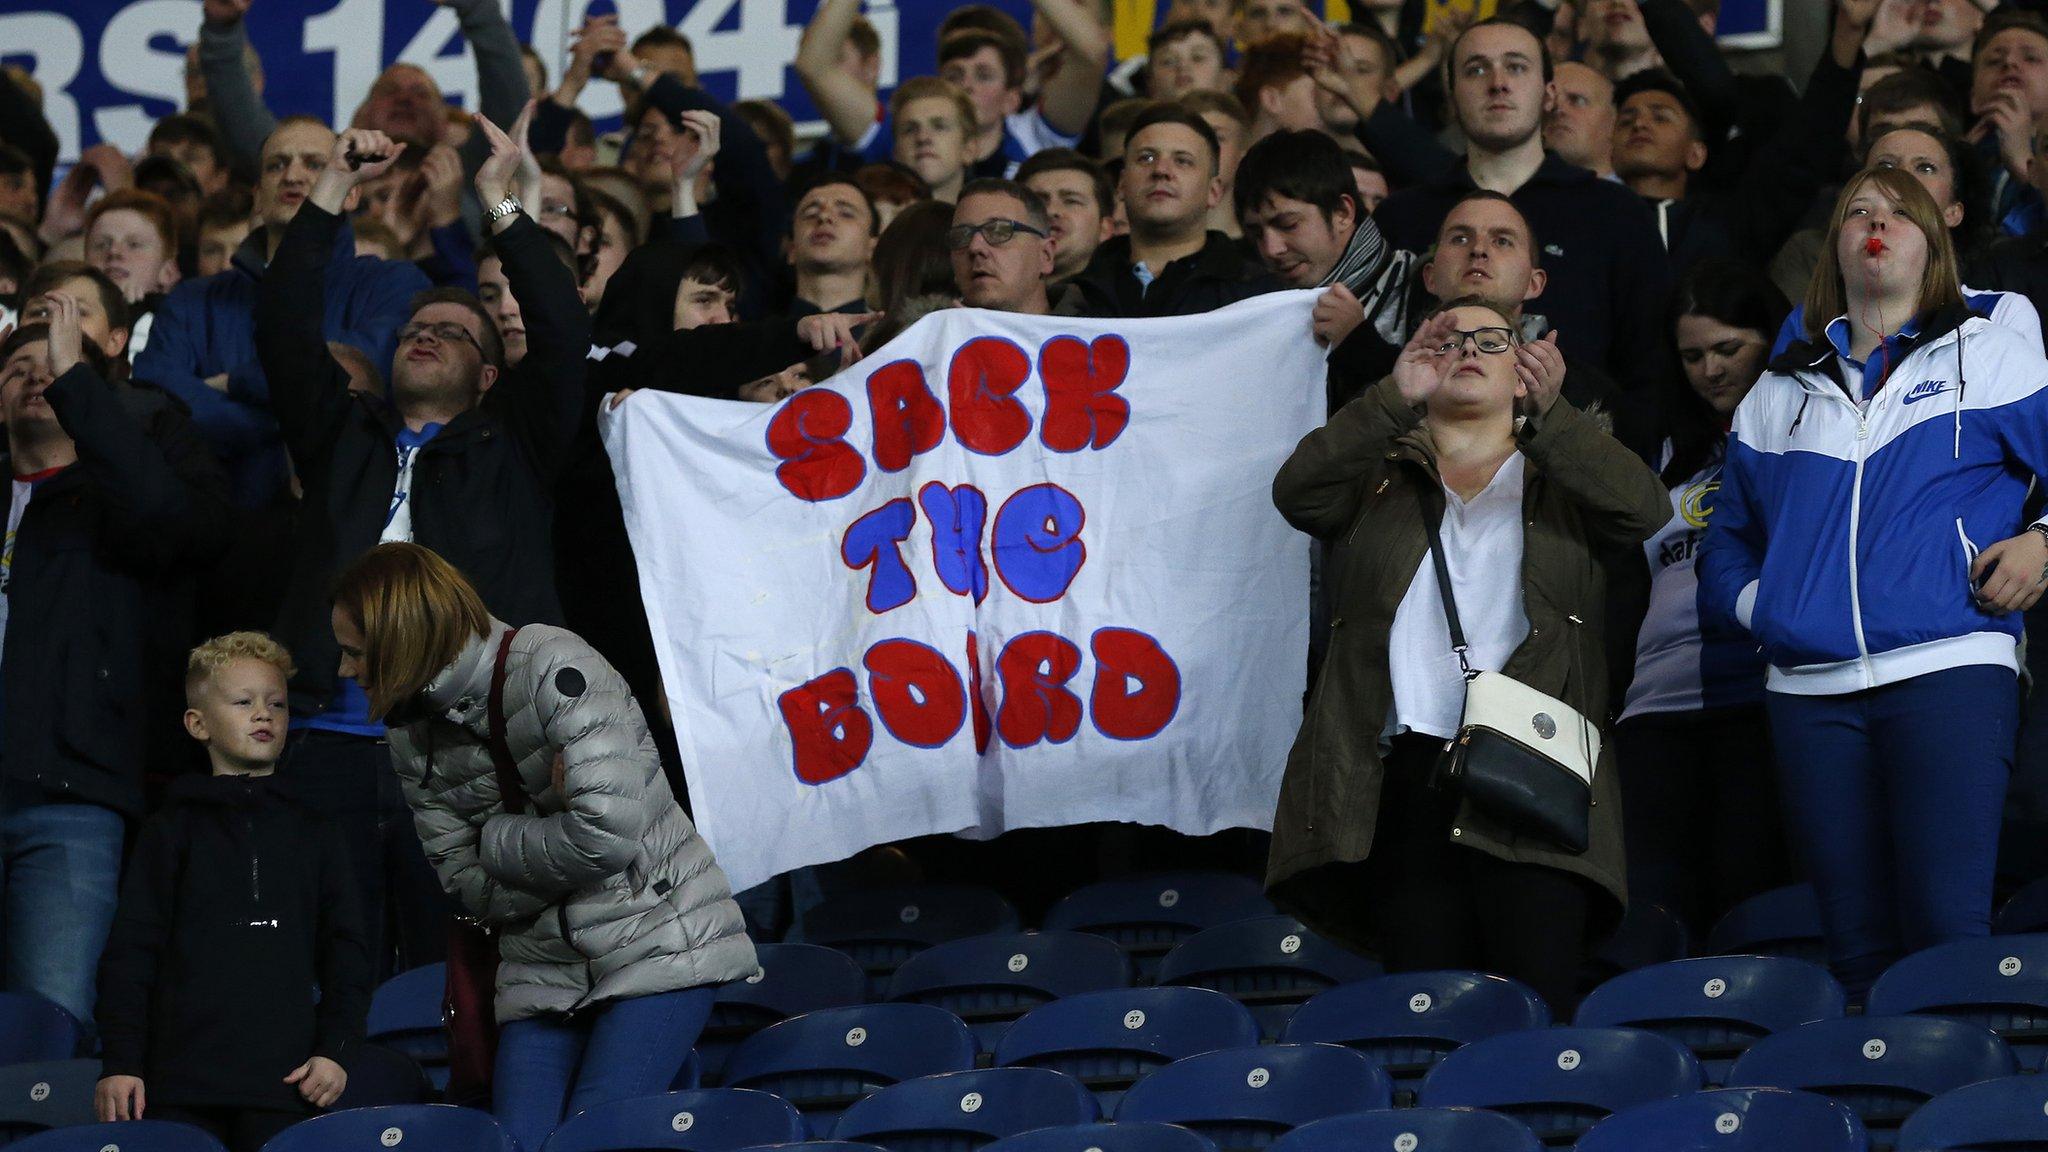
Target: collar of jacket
{"x": 1553, "y": 171}
{"x": 253, "y": 257}
{"x": 465, "y": 684}
{"x": 226, "y": 791}
{"x": 1218, "y": 259}
{"x": 1818, "y": 354}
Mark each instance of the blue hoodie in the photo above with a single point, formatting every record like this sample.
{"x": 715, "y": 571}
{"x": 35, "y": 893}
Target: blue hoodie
{"x": 207, "y": 326}
{"x": 1843, "y": 533}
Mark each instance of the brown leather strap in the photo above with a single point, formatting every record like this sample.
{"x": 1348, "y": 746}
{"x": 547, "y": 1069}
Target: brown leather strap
{"x": 509, "y": 787}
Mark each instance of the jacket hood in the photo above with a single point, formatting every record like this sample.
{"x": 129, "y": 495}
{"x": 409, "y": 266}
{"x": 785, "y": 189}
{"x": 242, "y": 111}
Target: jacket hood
{"x": 1819, "y": 352}
{"x": 468, "y": 677}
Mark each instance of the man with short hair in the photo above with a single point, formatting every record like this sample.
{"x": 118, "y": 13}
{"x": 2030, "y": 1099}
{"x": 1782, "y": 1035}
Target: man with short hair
{"x": 1080, "y": 203}
{"x": 1002, "y": 253}
{"x": 194, "y": 142}
{"x": 1365, "y": 59}
{"x": 19, "y": 198}
{"x": 1232, "y": 124}
{"x": 1258, "y": 20}
{"x": 1276, "y": 89}
{"x": 1580, "y": 127}
{"x": 1171, "y": 263}
{"x": 1183, "y": 56}
{"x": 2009, "y": 99}
{"x": 668, "y": 52}
{"x": 462, "y": 458}
{"x": 1608, "y": 276}
{"x": 831, "y": 239}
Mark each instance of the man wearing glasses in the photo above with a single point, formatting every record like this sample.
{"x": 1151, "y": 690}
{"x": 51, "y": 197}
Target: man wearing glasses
{"x": 1002, "y": 247}
{"x": 462, "y": 459}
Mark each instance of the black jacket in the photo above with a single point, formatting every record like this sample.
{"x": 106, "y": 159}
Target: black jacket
{"x": 1609, "y": 279}
{"x": 99, "y": 596}
{"x": 1216, "y": 276}
{"x": 482, "y": 489}
{"x": 237, "y": 952}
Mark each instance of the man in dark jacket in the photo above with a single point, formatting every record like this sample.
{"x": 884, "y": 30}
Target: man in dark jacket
{"x": 116, "y": 504}
{"x": 1171, "y": 264}
{"x": 1608, "y": 275}
{"x": 463, "y": 460}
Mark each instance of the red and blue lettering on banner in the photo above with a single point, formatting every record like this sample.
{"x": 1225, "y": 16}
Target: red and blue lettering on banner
{"x": 1031, "y": 540}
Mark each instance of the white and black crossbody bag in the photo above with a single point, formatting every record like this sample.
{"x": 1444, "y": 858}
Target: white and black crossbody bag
{"x": 1522, "y": 757}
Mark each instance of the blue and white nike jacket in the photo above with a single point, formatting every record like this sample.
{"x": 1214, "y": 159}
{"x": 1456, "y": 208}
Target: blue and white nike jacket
{"x": 1843, "y": 533}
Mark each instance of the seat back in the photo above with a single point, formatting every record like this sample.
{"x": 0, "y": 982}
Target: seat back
{"x": 2000, "y": 982}
{"x": 1716, "y": 1005}
{"x": 1110, "y": 1040}
{"x": 126, "y": 1136}
{"x": 1148, "y": 915}
{"x": 33, "y": 1029}
{"x": 1647, "y": 934}
{"x": 1882, "y": 1067}
{"x": 1408, "y": 1022}
{"x": 1243, "y": 1098}
{"x": 46, "y": 1094}
{"x": 1413, "y": 1130}
{"x": 2025, "y": 911}
{"x": 405, "y": 1014}
{"x": 883, "y": 927}
{"x": 1561, "y": 1081}
{"x": 711, "y": 1120}
{"x": 794, "y": 979}
{"x": 963, "y": 1111}
{"x": 404, "y": 1127}
{"x": 1731, "y": 1120}
{"x": 824, "y": 1061}
{"x": 1131, "y": 1136}
{"x": 2009, "y": 1114}
{"x": 1270, "y": 964}
{"x": 989, "y": 981}
{"x": 380, "y": 1077}
{"x": 1782, "y": 922}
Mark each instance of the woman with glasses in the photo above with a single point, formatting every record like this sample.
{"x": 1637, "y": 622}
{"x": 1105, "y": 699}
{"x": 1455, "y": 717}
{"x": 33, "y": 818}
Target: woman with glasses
{"x": 1868, "y": 536}
{"x": 1370, "y": 846}
{"x": 1697, "y": 775}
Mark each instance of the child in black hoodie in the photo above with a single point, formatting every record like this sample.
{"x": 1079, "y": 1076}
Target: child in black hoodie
{"x": 236, "y": 977}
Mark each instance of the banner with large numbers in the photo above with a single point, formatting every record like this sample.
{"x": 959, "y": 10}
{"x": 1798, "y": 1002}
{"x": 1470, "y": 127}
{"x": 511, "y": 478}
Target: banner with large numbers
{"x": 110, "y": 69}
{"x": 1005, "y": 572}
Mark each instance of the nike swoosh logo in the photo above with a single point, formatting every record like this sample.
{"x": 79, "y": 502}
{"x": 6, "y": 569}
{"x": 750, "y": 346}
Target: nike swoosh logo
{"x": 1916, "y": 397}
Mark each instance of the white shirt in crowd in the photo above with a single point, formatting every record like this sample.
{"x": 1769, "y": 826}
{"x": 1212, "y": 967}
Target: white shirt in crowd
{"x": 1483, "y": 549}
{"x": 23, "y": 491}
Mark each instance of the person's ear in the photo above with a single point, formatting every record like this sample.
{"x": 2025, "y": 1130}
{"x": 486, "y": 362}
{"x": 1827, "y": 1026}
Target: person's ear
{"x": 167, "y": 276}
{"x": 1013, "y": 101}
{"x": 1695, "y": 156}
{"x": 352, "y": 201}
{"x": 1429, "y": 278}
{"x": 1538, "y": 281}
{"x": 195, "y": 725}
{"x": 1549, "y": 97}
{"x": 1952, "y": 216}
{"x": 1346, "y": 215}
{"x": 1045, "y": 258}
{"x": 485, "y": 377}
{"x": 1215, "y": 196}
{"x": 117, "y": 343}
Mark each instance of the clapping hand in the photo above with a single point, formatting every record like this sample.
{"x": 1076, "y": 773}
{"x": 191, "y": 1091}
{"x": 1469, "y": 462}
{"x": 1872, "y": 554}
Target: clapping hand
{"x": 1540, "y": 368}
{"x": 1423, "y": 364}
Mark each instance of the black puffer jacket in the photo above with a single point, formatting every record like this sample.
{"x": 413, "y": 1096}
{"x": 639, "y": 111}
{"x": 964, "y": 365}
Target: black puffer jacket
{"x": 237, "y": 952}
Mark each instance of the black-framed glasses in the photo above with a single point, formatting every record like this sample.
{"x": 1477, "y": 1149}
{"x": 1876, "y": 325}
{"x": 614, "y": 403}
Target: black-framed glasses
{"x": 446, "y": 331}
{"x": 1491, "y": 341}
{"x": 997, "y": 232}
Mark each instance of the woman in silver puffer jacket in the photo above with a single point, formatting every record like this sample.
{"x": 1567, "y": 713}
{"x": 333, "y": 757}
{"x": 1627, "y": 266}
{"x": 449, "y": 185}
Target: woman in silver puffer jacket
{"x": 614, "y": 923}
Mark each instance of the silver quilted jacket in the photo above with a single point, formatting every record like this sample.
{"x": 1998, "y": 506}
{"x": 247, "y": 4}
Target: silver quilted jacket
{"x": 600, "y": 895}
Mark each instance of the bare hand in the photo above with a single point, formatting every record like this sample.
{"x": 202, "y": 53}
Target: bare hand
{"x": 2010, "y": 575}
{"x": 1892, "y": 26}
{"x": 828, "y": 330}
{"x": 1857, "y": 14}
{"x": 320, "y": 1080}
{"x": 115, "y": 170}
{"x": 117, "y": 1098}
{"x": 373, "y": 155}
{"x": 218, "y": 382}
{"x": 503, "y": 171}
{"x": 66, "y": 344}
{"x": 2006, "y": 115}
{"x": 1540, "y": 368}
{"x": 441, "y": 172}
{"x": 619, "y": 397}
{"x": 1337, "y": 314}
{"x": 1423, "y": 364}
{"x": 221, "y": 13}
{"x": 695, "y": 145}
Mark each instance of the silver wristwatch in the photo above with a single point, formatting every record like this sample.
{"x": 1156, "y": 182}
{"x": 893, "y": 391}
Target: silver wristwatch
{"x": 502, "y": 209}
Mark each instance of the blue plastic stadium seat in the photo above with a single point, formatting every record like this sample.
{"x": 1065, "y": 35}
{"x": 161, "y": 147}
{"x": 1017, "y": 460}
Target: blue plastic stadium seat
{"x": 127, "y": 1136}
{"x": 33, "y": 1030}
{"x": 1245, "y": 1098}
{"x": 421, "y": 1126}
{"x": 2000, "y": 982}
{"x": 1148, "y": 915}
{"x": 1413, "y": 1130}
{"x": 989, "y": 981}
{"x": 1781, "y": 922}
{"x": 713, "y": 1120}
{"x": 2009, "y": 1114}
{"x": 1110, "y": 1040}
{"x": 824, "y": 1061}
{"x": 2026, "y": 911}
{"x": 964, "y": 1111}
{"x": 1717, "y": 1005}
{"x": 884, "y": 927}
{"x": 1131, "y": 1136}
{"x": 405, "y": 1015}
{"x": 1270, "y": 964}
{"x": 1561, "y": 1081}
{"x": 1408, "y": 1022}
{"x": 794, "y": 979}
{"x": 1731, "y": 1120}
{"x": 1882, "y": 1067}
{"x": 1648, "y": 934}
{"x": 46, "y": 1094}
{"x": 815, "y": 1146}
{"x": 380, "y": 1077}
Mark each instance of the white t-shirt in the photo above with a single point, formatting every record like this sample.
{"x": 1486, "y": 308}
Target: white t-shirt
{"x": 1483, "y": 550}
{"x": 23, "y": 490}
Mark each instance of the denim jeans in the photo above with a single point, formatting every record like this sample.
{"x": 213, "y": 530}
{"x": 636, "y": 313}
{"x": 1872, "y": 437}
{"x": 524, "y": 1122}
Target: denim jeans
{"x": 550, "y": 1068}
{"x": 60, "y": 866}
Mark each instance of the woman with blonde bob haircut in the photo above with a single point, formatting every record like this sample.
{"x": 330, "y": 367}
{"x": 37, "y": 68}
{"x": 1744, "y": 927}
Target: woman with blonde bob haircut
{"x": 1868, "y": 537}
{"x": 614, "y": 925}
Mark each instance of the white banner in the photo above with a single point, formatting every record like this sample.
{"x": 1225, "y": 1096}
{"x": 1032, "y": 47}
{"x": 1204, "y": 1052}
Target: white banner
{"x": 1006, "y": 572}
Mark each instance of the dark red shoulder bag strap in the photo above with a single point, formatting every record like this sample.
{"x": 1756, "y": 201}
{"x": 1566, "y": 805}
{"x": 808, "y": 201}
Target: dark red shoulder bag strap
{"x": 509, "y": 787}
